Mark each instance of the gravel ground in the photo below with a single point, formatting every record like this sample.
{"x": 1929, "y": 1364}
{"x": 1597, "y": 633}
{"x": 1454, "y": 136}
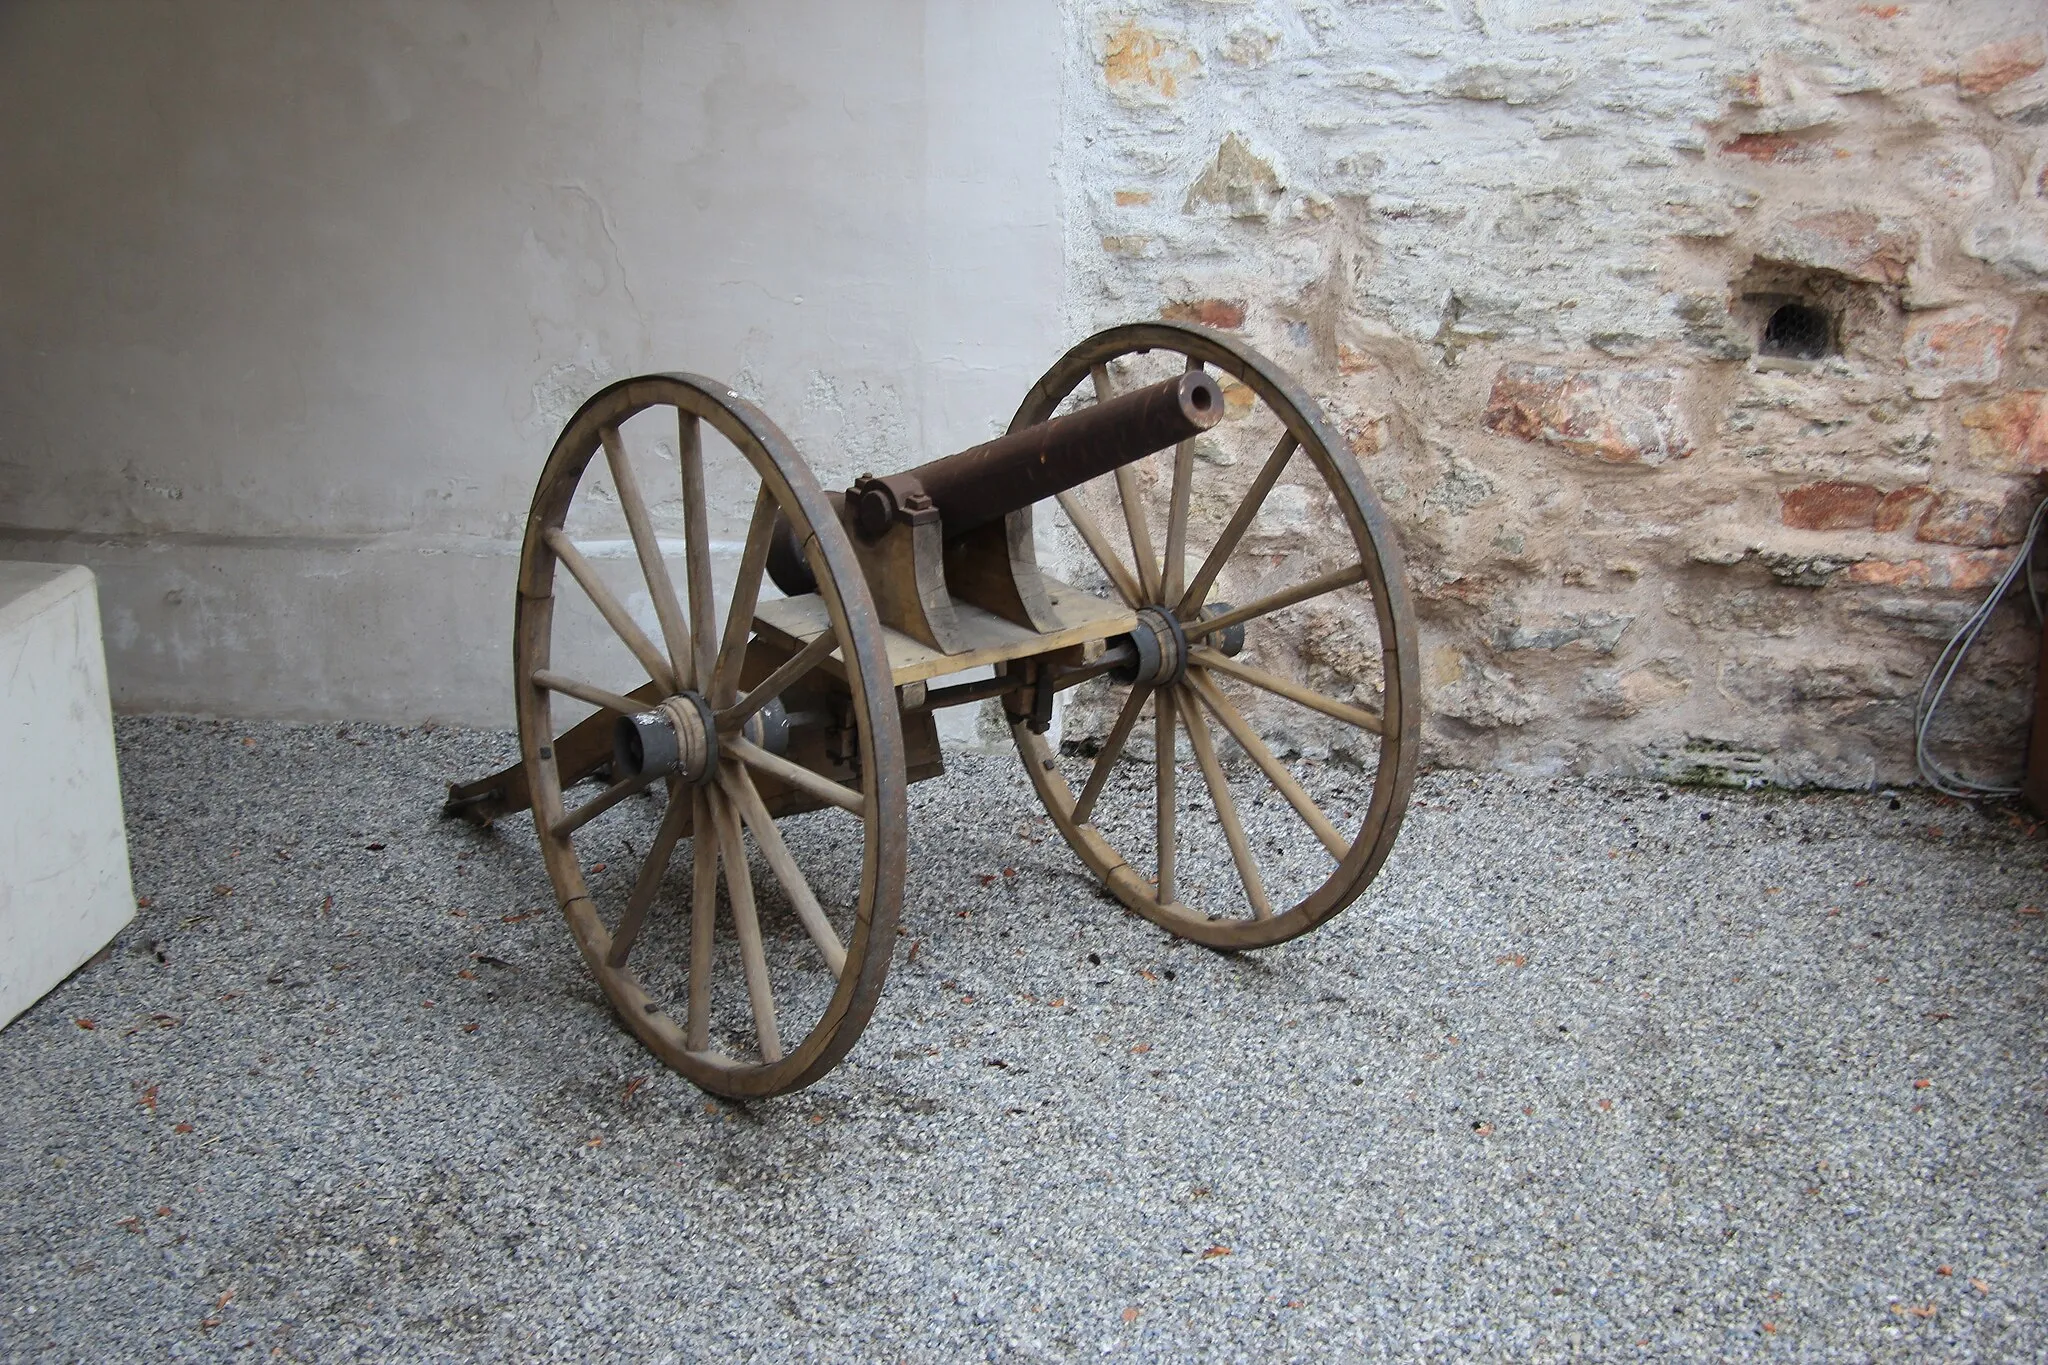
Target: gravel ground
{"x": 1593, "y": 1069}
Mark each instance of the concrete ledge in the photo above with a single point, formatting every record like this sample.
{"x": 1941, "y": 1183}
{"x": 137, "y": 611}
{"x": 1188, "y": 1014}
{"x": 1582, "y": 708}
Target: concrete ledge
{"x": 64, "y": 884}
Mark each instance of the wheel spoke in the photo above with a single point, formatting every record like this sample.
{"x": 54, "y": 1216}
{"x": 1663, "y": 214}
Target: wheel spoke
{"x": 596, "y": 806}
{"x": 697, "y": 545}
{"x": 790, "y": 775}
{"x": 1283, "y": 781}
{"x": 1112, "y": 749}
{"x": 634, "y": 504}
{"x": 1175, "y": 569}
{"x": 1098, "y": 545}
{"x": 648, "y": 885}
{"x": 772, "y": 686}
{"x": 739, "y": 888}
{"x": 583, "y": 691}
{"x": 1254, "y": 499}
{"x": 1226, "y": 812}
{"x": 1163, "y": 707}
{"x": 703, "y": 919}
{"x": 746, "y": 594}
{"x": 1133, "y": 501}
{"x": 1283, "y": 687}
{"x": 733, "y": 780}
{"x": 1300, "y": 592}
{"x": 609, "y": 607}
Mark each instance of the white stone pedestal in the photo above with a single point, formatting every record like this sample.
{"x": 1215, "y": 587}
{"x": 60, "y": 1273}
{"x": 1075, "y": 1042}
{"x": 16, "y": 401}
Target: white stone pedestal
{"x": 64, "y": 884}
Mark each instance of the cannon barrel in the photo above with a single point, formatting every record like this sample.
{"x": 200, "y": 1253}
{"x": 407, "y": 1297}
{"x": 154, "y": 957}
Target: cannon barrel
{"x": 984, "y": 483}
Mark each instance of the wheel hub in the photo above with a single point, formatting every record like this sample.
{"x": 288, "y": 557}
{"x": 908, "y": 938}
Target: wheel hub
{"x": 677, "y": 738}
{"x": 768, "y": 728}
{"x": 1229, "y": 640}
{"x": 1161, "y": 647}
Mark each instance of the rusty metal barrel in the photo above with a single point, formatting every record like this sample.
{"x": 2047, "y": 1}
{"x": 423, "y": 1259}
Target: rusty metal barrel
{"x": 984, "y": 483}
{"x": 987, "y": 482}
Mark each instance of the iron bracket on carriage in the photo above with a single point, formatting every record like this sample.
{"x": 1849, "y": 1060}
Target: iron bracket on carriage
{"x": 820, "y": 695}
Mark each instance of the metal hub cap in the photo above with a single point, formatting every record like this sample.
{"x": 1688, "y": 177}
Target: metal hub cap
{"x": 677, "y": 738}
{"x": 1162, "y": 649}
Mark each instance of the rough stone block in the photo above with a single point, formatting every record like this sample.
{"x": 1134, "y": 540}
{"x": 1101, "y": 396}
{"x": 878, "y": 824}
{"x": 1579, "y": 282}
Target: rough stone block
{"x": 1792, "y": 113}
{"x": 1981, "y": 522}
{"x": 1774, "y": 147}
{"x": 1972, "y": 570}
{"x": 1989, "y": 69}
{"x": 1510, "y": 82}
{"x": 1616, "y": 694}
{"x": 1801, "y": 569}
{"x": 1226, "y": 314}
{"x": 1236, "y": 180}
{"x": 1903, "y": 507}
{"x": 1710, "y": 328}
{"x": 1771, "y": 679}
{"x": 1955, "y": 346}
{"x": 1830, "y": 506}
{"x": 1369, "y": 437}
{"x": 1953, "y": 168}
{"x": 2015, "y": 244}
{"x": 1600, "y": 629}
{"x": 1249, "y": 44}
{"x": 2010, "y": 435}
{"x": 1853, "y": 243}
{"x": 1141, "y": 66}
{"x": 1929, "y": 618}
{"x": 1619, "y": 416}
{"x": 1478, "y": 694}
{"x": 1699, "y": 213}
{"x": 1957, "y": 569}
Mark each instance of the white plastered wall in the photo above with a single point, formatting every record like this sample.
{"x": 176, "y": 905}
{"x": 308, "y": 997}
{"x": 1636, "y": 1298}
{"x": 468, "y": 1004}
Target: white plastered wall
{"x": 293, "y": 298}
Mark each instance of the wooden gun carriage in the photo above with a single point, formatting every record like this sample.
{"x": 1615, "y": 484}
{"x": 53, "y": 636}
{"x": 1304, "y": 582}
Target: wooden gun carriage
{"x": 822, "y": 699}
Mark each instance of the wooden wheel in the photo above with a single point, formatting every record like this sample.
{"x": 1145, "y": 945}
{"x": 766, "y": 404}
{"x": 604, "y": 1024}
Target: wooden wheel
{"x": 1199, "y": 676}
{"x": 772, "y": 997}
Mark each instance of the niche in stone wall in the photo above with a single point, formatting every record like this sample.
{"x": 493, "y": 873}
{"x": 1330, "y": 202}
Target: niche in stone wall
{"x": 1798, "y": 330}
{"x": 1797, "y": 319}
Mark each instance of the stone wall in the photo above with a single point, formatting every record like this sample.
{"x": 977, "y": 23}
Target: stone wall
{"x": 1527, "y": 253}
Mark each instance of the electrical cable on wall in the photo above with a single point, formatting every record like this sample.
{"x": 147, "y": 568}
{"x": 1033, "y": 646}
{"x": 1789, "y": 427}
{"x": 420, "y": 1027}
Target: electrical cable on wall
{"x": 1951, "y": 661}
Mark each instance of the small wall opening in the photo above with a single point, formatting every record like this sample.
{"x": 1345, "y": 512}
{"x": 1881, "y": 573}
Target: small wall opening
{"x": 1798, "y": 331}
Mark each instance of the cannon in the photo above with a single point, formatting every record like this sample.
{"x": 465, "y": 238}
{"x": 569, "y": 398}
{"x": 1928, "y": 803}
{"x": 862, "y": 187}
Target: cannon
{"x": 774, "y": 712}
